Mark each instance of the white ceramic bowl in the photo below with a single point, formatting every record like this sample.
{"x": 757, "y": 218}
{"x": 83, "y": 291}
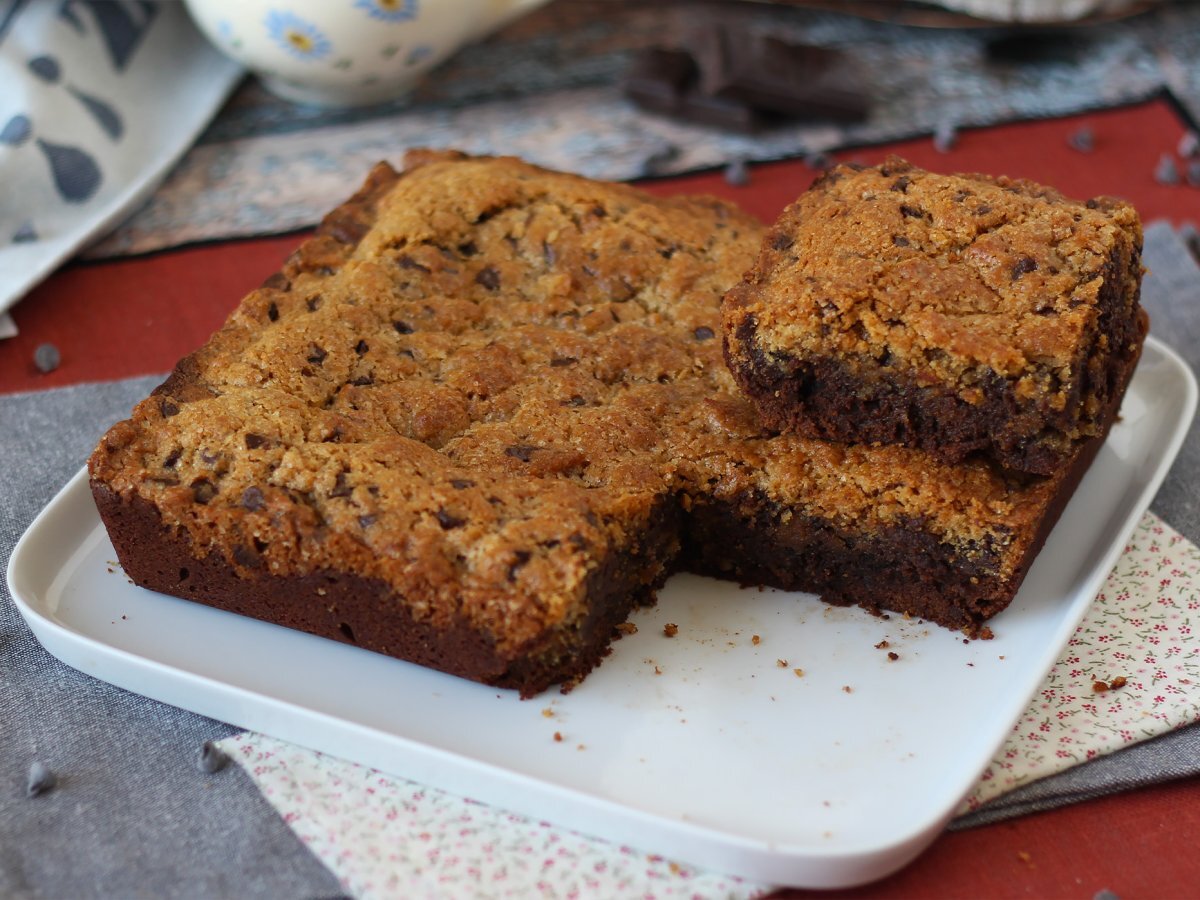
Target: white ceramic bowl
{"x": 347, "y": 52}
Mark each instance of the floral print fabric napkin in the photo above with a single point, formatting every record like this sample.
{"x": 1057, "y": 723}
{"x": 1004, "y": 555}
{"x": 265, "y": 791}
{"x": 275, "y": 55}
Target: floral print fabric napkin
{"x": 1130, "y": 672}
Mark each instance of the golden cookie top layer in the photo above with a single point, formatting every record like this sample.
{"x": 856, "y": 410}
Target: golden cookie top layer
{"x": 947, "y": 274}
{"x": 478, "y": 379}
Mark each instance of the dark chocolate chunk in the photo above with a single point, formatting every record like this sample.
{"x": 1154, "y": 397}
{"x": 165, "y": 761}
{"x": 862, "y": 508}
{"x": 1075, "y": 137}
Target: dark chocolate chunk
{"x": 460, "y": 484}
{"x": 402, "y": 327}
{"x": 168, "y": 408}
{"x": 559, "y": 361}
{"x": 172, "y": 458}
{"x": 900, "y": 240}
{"x": 340, "y": 486}
{"x": 523, "y": 452}
{"x": 314, "y": 303}
{"x": 254, "y": 441}
{"x": 273, "y": 312}
{"x": 658, "y": 77}
{"x": 703, "y": 333}
{"x": 253, "y": 499}
{"x": 316, "y": 354}
{"x": 520, "y": 559}
{"x": 489, "y": 278}
{"x": 1022, "y": 266}
{"x": 203, "y": 490}
{"x": 770, "y": 75}
{"x": 449, "y": 520}
{"x": 361, "y": 348}
{"x": 407, "y": 262}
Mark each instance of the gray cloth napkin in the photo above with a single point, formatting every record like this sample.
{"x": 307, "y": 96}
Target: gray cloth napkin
{"x": 134, "y": 816}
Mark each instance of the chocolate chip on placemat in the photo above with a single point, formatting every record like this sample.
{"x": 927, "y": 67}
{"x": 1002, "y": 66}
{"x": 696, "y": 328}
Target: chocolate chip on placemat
{"x": 1166, "y": 172}
{"x": 945, "y": 137}
{"x": 211, "y": 758}
{"x": 1083, "y": 140}
{"x": 737, "y": 173}
{"x": 41, "y": 780}
{"x": 1189, "y": 145}
{"x": 47, "y": 358}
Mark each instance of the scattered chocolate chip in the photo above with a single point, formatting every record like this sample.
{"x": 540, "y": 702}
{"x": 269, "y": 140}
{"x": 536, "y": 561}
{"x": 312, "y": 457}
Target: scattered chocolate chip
{"x": 46, "y": 358}
{"x": 1083, "y": 140}
{"x": 340, "y": 486}
{"x": 254, "y": 441}
{"x": 273, "y": 312}
{"x": 781, "y": 240}
{"x": 314, "y": 303}
{"x": 575, "y": 400}
{"x": 901, "y": 184}
{"x": 448, "y": 520}
{"x": 489, "y": 278}
{"x": 578, "y": 541}
{"x": 316, "y": 354}
{"x": 407, "y": 262}
{"x": 361, "y": 348}
{"x": 523, "y": 452}
{"x": 40, "y": 780}
{"x": 737, "y": 173}
{"x": 559, "y": 361}
{"x": 1023, "y": 266}
{"x": 168, "y": 408}
{"x": 703, "y": 333}
{"x": 911, "y": 212}
{"x": 982, "y": 210}
{"x": 211, "y": 758}
{"x": 945, "y": 137}
{"x": 1166, "y": 172}
{"x": 367, "y": 521}
{"x": 1193, "y": 173}
{"x": 402, "y": 327}
{"x": 460, "y": 484}
{"x": 203, "y": 490}
{"x": 253, "y": 499}
{"x": 900, "y": 240}
{"x": 520, "y": 559}
{"x": 468, "y": 248}
{"x": 172, "y": 458}
{"x": 246, "y": 558}
{"x": 362, "y": 380}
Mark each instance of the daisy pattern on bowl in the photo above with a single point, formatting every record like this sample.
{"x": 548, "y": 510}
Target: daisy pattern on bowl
{"x": 389, "y": 10}
{"x": 299, "y": 37}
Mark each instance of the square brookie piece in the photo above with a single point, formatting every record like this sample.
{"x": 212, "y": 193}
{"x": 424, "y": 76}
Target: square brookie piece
{"x": 952, "y": 313}
{"x": 483, "y": 413}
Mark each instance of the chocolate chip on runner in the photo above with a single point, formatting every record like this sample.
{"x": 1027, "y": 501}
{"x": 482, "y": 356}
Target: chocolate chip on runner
{"x": 1189, "y": 145}
{"x": 40, "y": 781}
{"x": 47, "y": 358}
{"x": 1166, "y": 172}
{"x": 737, "y": 173}
{"x": 211, "y": 758}
{"x": 1083, "y": 140}
{"x": 945, "y": 137}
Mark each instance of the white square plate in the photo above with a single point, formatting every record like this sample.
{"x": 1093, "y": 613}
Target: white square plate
{"x": 707, "y": 747}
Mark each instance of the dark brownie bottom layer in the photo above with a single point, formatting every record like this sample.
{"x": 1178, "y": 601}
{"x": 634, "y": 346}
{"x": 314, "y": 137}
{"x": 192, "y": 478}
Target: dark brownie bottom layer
{"x": 366, "y": 612}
